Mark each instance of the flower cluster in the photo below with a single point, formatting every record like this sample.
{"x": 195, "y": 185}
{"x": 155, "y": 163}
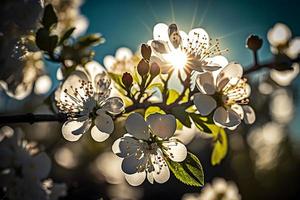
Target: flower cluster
{"x": 150, "y": 104}
{"x": 85, "y": 98}
{"x": 23, "y": 168}
{"x": 226, "y": 95}
{"x": 147, "y": 146}
{"x": 174, "y": 48}
{"x": 284, "y": 47}
{"x": 219, "y": 189}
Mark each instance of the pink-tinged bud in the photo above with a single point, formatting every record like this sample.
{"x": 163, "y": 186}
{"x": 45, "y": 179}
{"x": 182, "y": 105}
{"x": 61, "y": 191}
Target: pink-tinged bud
{"x": 127, "y": 79}
{"x": 143, "y": 67}
{"x": 254, "y": 42}
{"x": 146, "y": 51}
{"x": 154, "y": 69}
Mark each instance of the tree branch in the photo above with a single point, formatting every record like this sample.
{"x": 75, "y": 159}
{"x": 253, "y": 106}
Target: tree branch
{"x": 271, "y": 65}
{"x": 32, "y": 118}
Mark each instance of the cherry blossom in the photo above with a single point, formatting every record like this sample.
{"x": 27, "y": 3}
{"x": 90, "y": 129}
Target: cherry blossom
{"x": 85, "y": 98}
{"x": 175, "y": 48}
{"x": 23, "y": 166}
{"x": 147, "y": 146}
{"x": 225, "y": 94}
{"x": 219, "y": 189}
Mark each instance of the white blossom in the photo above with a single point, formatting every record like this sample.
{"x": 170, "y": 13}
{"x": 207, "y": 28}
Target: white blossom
{"x": 219, "y": 189}
{"x": 146, "y": 146}
{"x": 225, "y": 94}
{"x": 279, "y": 35}
{"x": 280, "y": 38}
{"x": 23, "y": 167}
{"x": 84, "y": 97}
{"x": 124, "y": 60}
{"x": 175, "y": 48}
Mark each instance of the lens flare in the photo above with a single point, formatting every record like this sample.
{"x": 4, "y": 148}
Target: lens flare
{"x": 177, "y": 58}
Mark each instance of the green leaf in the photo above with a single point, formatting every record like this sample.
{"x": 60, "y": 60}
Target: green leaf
{"x": 52, "y": 42}
{"x": 204, "y": 124}
{"x": 66, "y": 35}
{"x": 152, "y": 110}
{"x": 172, "y": 96}
{"x": 156, "y": 85}
{"x": 49, "y": 18}
{"x": 44, "y": 41}
{"x": 189, "y": 171}
{"x": 90, "y": 40}
{"x": 116, "y": 78}
{"x": 220, "y": 147}
{"x": 180, "y": 113}
{"x": 41, "y": 39}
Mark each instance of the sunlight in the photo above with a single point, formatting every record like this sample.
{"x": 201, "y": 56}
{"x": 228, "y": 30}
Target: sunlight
{"x": 177, "y": 58}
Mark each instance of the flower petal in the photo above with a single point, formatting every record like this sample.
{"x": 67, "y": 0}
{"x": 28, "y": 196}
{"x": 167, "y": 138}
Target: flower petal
{"x": 284, "y": 78}
{"x": 72, "y": 130}
{"x": 73, "y": 81}
{"x": 136, "y": 178}
{"x": 165, "y": 67}
{"x": 226, "y": 118}
{"x": 42, "y": 85}
{"x": 279, "y": 34}
{"x": 109, "y": 61}
{"x": 184, "y": 38}
{"x": 186, "y": 135}
{"x": 219, "y": 61}
{"x": 161, "y": 172}
{"x": 238, "y": 109}
{"x": 98, "y": 135}
{"x": 294, "y": 48}
{"x": 130, "y": 164}
{"x": 205, "y": 83}
{"x": 123, "y": 53}
{"x": 230, "y": 71}
{"x": 160, "y": 32}
{"x": 199, "y": 36}
{"x": 114, "y": 105}
{"x": 163, "y": 126}
{"x": 150, "y": 177}
{"x": 176, "y": 151}
{"x": 160, "y": 46}
{"x": 205, "y": 104}
{"x": 104, "y": 126}
{"x": 126, "y": 146}
{"x": 174, "y": 35}
{"x": 249, "y": 115}
{"x": 136, "y": 125}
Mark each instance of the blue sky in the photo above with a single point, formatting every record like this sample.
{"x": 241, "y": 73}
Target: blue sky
{"x": 129, "y": 23}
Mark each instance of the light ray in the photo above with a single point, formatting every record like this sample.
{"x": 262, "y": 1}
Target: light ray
{"x": 172, "y": 10}
{"x": 235, "y": 32}
{"x": 194, "y": 15}
{"x": 156, "y": 18}
{"x": 204, "y": 13}
{"x": 145, "y": 25}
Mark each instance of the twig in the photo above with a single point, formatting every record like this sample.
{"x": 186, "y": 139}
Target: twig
{"x": 32, "y": 118}
{"x": 271, "y": 65}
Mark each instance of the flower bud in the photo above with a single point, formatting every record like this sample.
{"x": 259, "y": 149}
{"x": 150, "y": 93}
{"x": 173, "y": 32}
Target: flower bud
{"x": 127, "y": 79}
{"x": 254, "y": 42}
{"x": 154, "y": 69}
{"x": 143, "y": 67}
{"x": 146, "y": 51}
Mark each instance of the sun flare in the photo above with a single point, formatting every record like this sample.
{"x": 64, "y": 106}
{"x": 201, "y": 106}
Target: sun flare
{"x": 177, "y": 58}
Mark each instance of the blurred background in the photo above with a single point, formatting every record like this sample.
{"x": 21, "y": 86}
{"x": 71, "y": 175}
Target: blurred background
{"x": 263, "y": 159}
